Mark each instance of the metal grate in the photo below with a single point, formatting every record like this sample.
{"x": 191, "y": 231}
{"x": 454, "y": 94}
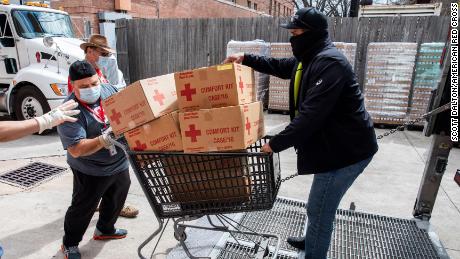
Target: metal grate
{"x": 235, "y": 251}
{"x": 362, "y": 235}
{"x": 356, "y": 234}
{"x": 31, "y": 175}
{"x": 286, "y": 218}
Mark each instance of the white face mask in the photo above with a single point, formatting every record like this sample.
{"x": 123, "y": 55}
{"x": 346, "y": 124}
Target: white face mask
{"x": 109, "y": 68}
{"x": 103, "y": 63}
{"x": 91, "y": 94}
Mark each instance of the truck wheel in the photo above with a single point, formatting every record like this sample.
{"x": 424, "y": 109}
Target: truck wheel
{"x": 29, "y": 103}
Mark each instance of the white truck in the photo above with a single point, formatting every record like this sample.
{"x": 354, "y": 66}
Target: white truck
{"x": 37, "y": 46}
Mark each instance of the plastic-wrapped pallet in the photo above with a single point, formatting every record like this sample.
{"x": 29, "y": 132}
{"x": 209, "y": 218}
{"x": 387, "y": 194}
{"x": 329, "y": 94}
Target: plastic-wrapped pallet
{"x": 257, "y": 47}
{"x": 349, "y": 50}
{"x": 279, "y": 88}
{"x": 427, "y": 75}
{"x": 389, "y": 71}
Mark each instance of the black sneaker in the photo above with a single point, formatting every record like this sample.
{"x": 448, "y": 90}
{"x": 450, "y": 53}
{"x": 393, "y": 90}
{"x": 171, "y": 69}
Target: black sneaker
{"x": 297, "y": 242}
{"x": 71, "y": 252}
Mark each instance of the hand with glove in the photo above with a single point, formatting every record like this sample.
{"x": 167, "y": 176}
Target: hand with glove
{"x": 59, "y": 115}
{"x": 12, "y": 130}
{"x": 237, "y": 58}
{"x": 106, "y": 138}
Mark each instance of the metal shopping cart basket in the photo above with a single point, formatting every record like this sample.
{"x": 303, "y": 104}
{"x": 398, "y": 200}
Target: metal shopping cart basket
{"x": 185, "y": 187}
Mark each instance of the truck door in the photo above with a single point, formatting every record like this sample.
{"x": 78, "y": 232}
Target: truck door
{"x": 8, "y": 53}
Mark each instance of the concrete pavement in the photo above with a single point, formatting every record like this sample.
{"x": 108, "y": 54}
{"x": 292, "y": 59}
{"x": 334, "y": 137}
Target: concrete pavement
{"x": 31, "y": 222}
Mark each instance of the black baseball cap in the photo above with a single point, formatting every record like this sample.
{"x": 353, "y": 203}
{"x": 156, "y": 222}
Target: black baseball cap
{"x": 80, "y": 70}
{"x": 308, "y": 18}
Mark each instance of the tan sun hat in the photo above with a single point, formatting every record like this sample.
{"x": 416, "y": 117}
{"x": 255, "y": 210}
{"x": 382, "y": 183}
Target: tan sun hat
{"x": 97, "y": 41}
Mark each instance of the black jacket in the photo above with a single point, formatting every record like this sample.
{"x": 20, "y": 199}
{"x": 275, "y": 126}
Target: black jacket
{"x": 333, "y": 129}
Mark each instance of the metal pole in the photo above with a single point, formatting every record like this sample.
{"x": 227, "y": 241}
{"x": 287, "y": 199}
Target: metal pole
{"x": 432, "y": 176}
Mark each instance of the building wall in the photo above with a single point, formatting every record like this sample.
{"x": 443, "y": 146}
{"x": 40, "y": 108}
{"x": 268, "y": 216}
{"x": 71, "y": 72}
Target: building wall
{"x": 87, "y": 10}
{"x": 445, "y": 9}
{"x": 203, "y": 8}
{"x": 271, "y": 7}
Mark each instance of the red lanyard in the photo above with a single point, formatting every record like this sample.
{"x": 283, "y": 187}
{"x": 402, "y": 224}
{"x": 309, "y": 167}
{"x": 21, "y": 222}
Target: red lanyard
{"x": 101, "y": 76}
{"x": 100, "y": 115}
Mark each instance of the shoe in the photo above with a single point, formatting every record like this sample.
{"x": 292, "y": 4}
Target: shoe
{"x": 118, "y": 234}
{"x": 70, "y": 252}
{"x": 129, "y": 212}
{"x": 297, "y": 242}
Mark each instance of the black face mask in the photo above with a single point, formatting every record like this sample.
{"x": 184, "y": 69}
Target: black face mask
{"x": 302, "y": 44}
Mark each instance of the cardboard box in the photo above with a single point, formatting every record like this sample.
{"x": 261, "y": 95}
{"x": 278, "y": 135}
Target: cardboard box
{"x": 214, "y": 87}
{"x": 141, "y": 102}
{"x": 221, "y": 129}
{"x": 162, "y": 134}
{"x": 256, "y": 47}
{"x": 195, "y": 178}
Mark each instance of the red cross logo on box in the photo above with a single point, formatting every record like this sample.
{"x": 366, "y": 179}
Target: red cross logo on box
{"x": 159, "y": 97}
{"x": 115, "y": 117}
{"x": 241, "y": 84}
{"x": 140, "y": 146}
{"x": 248, "y": 126}
{"x": 188, "y": 92}
{"x": 193, "y": 133}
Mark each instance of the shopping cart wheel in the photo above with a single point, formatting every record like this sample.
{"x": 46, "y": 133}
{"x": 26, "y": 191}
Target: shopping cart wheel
{"x": 180, "y": 235}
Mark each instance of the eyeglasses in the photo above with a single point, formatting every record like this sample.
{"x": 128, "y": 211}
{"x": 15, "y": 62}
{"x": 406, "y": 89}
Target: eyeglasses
{"x": 295, "y": 19}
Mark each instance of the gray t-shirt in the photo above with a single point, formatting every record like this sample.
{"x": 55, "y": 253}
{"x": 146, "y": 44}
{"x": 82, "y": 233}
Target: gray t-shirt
{"x": 101, "y": 163}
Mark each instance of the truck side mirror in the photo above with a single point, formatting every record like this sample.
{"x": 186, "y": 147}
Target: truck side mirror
{"x": 48, "y": 41}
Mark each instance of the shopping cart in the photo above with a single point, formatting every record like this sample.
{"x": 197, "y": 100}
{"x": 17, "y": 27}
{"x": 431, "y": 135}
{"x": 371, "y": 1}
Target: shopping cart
{"x": 185, "y": 187}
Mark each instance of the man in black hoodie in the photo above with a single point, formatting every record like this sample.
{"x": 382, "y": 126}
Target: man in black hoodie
{"x": 330, "y": 128}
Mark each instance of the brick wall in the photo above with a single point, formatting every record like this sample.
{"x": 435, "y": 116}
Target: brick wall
{"x": 271, "y": 7}
{"x": 87, "y": 10}
{"x": 202, "y": 8}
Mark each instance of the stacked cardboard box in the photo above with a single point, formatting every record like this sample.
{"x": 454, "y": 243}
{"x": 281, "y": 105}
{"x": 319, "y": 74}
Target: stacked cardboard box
{"x": 218, "y": 111}
{"x": 349, "y": 50}
{"x": 427, "y": 75}
{"x": 389, "y": 71}
{"x": 218, "y": 108}
{"x": 257, "y": 47}
{"x": 139, "y": 110}
{"x": 279, "y": 88}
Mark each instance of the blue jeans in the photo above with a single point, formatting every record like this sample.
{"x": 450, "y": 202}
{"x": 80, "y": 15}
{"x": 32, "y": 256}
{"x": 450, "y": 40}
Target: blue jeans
{"x": 326, "y": 192}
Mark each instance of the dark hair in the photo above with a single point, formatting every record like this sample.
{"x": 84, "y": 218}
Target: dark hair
{"x": 91, "y": 47}
{"x": 81, "y": 69}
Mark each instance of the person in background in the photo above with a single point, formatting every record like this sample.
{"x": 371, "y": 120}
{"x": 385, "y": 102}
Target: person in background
{"x": 95, "y": 48}
{"x": 12, "y": 130}
{"x": 100, "y": 56}
{"x": 100, "y": 169}
{"x": 109, "y": 67}
{"x": 330, "y": 128}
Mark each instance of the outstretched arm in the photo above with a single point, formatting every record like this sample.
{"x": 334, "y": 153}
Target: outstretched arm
{"x": 279, "y": 67}
{"x": 11, "y": 130}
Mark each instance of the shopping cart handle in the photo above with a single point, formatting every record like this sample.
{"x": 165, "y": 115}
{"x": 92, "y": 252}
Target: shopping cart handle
{"x": 114, "y": 141}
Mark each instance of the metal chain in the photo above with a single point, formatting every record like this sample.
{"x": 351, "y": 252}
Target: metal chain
{"x": 440, "y": 109}
{"x": 289, "y": 177}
